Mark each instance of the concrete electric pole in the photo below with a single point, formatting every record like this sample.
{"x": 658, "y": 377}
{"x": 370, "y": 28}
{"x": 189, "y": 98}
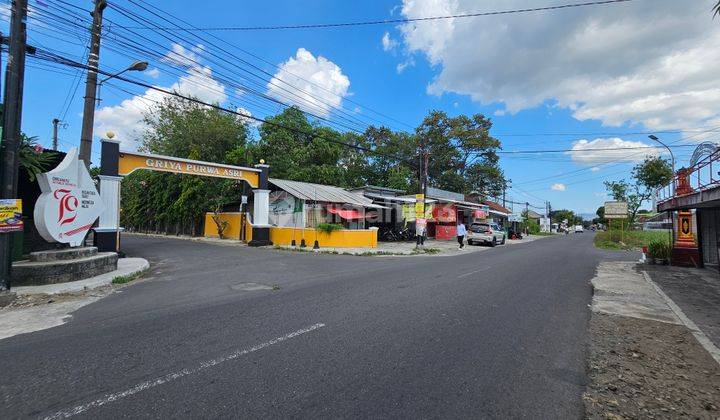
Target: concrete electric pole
{"x": 12, "y": 118}
{"x": 55, "y": 123}
{"x": 91, "y": 84}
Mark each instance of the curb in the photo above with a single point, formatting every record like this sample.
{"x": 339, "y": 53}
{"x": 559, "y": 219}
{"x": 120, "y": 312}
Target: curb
{"x": 126, "y": 267}
{"x": 700, "y": 336}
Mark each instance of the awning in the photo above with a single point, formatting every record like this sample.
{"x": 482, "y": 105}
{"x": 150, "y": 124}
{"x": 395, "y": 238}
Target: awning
{"x": 323, "y": 193}
{"x": 347, "y": 214}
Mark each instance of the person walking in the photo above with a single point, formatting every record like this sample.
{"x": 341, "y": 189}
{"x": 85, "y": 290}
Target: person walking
{"x": 461, "y": 232}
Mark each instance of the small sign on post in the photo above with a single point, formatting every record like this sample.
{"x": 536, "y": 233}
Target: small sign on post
{"x": 616, "y": 210}
{"x": 11, "y": 215}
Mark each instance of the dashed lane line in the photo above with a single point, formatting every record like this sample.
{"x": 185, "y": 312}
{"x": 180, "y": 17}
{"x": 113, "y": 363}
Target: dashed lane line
{"x": 143, "y": 386}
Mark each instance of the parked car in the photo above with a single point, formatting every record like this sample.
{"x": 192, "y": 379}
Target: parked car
{"x": 486, "y": 233}
{"x": 579, "y": 229}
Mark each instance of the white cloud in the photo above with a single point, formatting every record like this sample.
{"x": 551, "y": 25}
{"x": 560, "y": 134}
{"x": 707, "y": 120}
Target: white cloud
{"x": 319, "y": 84}
{"x": 595, "y": 169}
{"x": 388, "y": 43}
{"x": 600, "y": 194}
{"x": 621, "y": 63}
{"x": 409, "y": 62}
{"x": 126, "y": 119}
{"x": 181, "y": 56}
{"x": 153, "y": 73}
{"x": 243, "y": 118}
{"x": 587, "y": 151}
{"x": 558, "y": 187}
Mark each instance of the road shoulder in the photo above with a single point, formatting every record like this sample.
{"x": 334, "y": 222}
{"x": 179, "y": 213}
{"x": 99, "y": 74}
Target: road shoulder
{"x": 643, "y": 362}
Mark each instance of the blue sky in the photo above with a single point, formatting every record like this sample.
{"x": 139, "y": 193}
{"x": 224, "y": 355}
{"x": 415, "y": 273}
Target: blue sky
{"x": 549, "y": 80}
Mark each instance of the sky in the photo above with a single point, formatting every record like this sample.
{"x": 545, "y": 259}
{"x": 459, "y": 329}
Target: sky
{"x": 592, "y": 77}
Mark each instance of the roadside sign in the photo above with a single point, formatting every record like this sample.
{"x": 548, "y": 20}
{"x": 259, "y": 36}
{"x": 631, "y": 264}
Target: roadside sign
{"x": 420, "y": 225}
{"x": 616, "y": 210}
{"x": 514, "y": 217}
{"x": 11, "y": 215}
{"x": 419, "y": 205}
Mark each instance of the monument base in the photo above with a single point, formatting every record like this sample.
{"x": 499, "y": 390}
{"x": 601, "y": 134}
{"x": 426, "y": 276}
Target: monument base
{"x": 686, "y": 257}
{"x": 260, "y": 236}
{"x": 62, "y": 265}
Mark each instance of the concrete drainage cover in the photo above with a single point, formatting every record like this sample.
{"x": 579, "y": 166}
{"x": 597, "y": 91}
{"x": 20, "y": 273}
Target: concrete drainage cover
{"x": 250, "y": 287}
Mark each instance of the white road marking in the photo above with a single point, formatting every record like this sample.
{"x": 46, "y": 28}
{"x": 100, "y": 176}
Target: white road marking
{"x": 472, "y": 272}
{"x": 177, "y": 375}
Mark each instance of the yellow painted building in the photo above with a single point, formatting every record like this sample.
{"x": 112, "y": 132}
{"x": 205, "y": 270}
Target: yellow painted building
{"x": 346, "y": 238}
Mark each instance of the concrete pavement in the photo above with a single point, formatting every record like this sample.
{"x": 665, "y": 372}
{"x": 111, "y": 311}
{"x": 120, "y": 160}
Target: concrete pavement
{"x": 496, "y": 334}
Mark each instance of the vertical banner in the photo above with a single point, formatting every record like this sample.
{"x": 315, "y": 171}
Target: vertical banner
{"x": 419, "y": 205}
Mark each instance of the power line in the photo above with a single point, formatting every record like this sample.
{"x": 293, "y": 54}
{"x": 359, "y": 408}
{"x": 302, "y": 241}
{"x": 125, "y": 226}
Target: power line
{"x": 392, "y": 21}
{"x": 579, "y": 151}
{"x": 47, "y": 56}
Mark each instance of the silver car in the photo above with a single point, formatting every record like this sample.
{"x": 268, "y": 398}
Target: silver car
{"x": 487, "y": 233}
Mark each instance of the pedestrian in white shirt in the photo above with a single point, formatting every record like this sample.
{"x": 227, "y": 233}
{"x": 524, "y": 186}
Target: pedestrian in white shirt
{"x": 461, "y": 232}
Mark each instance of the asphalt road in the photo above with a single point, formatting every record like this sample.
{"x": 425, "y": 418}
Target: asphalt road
{"x": 491, "y": 334}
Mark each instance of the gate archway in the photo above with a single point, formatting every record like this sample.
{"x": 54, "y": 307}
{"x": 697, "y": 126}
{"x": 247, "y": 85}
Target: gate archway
{"x": 115, "y": 164}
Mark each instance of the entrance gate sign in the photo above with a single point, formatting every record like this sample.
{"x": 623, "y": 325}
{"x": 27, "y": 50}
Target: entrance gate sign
{"x": 130, "y": 162}
{"x": 616, "y": 210}
{"x": 69, "y": 203}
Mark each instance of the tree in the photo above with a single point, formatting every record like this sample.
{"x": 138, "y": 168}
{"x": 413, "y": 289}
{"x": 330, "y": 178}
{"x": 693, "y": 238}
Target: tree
{"x": 33, "y": 158}
{"x": 716, "y": 9}
{"x": 463, "y": 155}
{"x": 649, "y": 175}
{"x": 557, "y": 216}
{"x": 181, "y": 128}
{"x": 600, "y": 212}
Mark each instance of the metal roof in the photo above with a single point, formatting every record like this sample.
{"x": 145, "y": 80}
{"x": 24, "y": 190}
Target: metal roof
{"x": 324, "y": 193}
{"x": 405, "y": 199}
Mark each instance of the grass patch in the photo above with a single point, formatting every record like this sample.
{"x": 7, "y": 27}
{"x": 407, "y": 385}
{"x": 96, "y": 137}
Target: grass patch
{"x": 631, "y": 239}
{"x": 128, "y": 278}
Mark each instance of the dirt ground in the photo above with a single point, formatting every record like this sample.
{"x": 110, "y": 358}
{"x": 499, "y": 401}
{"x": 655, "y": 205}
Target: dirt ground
{"x": 29, "y": 301}
{"x": 647, "y": 369}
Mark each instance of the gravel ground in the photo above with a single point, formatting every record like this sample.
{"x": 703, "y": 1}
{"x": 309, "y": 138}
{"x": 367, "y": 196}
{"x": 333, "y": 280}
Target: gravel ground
{"x": 647, "y": 369}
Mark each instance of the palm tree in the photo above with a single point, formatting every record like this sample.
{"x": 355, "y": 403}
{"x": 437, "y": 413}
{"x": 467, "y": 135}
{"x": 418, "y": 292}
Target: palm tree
{"x": 33, "y": 158}
{"x": 716, "y": 9}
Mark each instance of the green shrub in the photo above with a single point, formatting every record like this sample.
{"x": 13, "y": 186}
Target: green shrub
{"x": 658, "y": 250}
{"x": 329, "y": 227}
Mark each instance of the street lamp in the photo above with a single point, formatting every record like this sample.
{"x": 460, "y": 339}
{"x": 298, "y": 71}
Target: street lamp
{"x": 672, "y": 157}
{"x": 136, "y": 66}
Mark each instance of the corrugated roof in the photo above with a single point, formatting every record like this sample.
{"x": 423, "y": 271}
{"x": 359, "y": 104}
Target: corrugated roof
{"x": 325, "y": 193}
{"x": 404, "y": 199}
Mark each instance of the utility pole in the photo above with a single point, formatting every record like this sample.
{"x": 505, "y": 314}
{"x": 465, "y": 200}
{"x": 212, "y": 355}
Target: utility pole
{"x": 506, "y": 184}
{"x": 55, "y": 122}
{"x": 91, "y": 83}
{"x": 12, "y": 118}
{"x": 423, "y": 173}
{"x": 527, "y": 216}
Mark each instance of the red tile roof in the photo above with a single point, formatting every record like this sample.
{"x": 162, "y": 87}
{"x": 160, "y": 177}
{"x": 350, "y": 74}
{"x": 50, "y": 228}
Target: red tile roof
{"x": 495, "y": 206}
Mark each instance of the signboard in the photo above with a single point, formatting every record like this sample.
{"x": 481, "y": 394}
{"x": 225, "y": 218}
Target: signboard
{"x": 616, "y": 210}
{"x": 419, "y": 205}
{"x": 545, "y": 224}
{"x": 131, "y": 162}
{"x": 514, "y": 217}
{"x": 11, "y": 215}
{"x": 420, "y": 226}
{"x": 69, "y": 203}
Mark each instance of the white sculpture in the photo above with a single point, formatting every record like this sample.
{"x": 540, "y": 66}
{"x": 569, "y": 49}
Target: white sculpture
{"x": 69, "y": 203}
